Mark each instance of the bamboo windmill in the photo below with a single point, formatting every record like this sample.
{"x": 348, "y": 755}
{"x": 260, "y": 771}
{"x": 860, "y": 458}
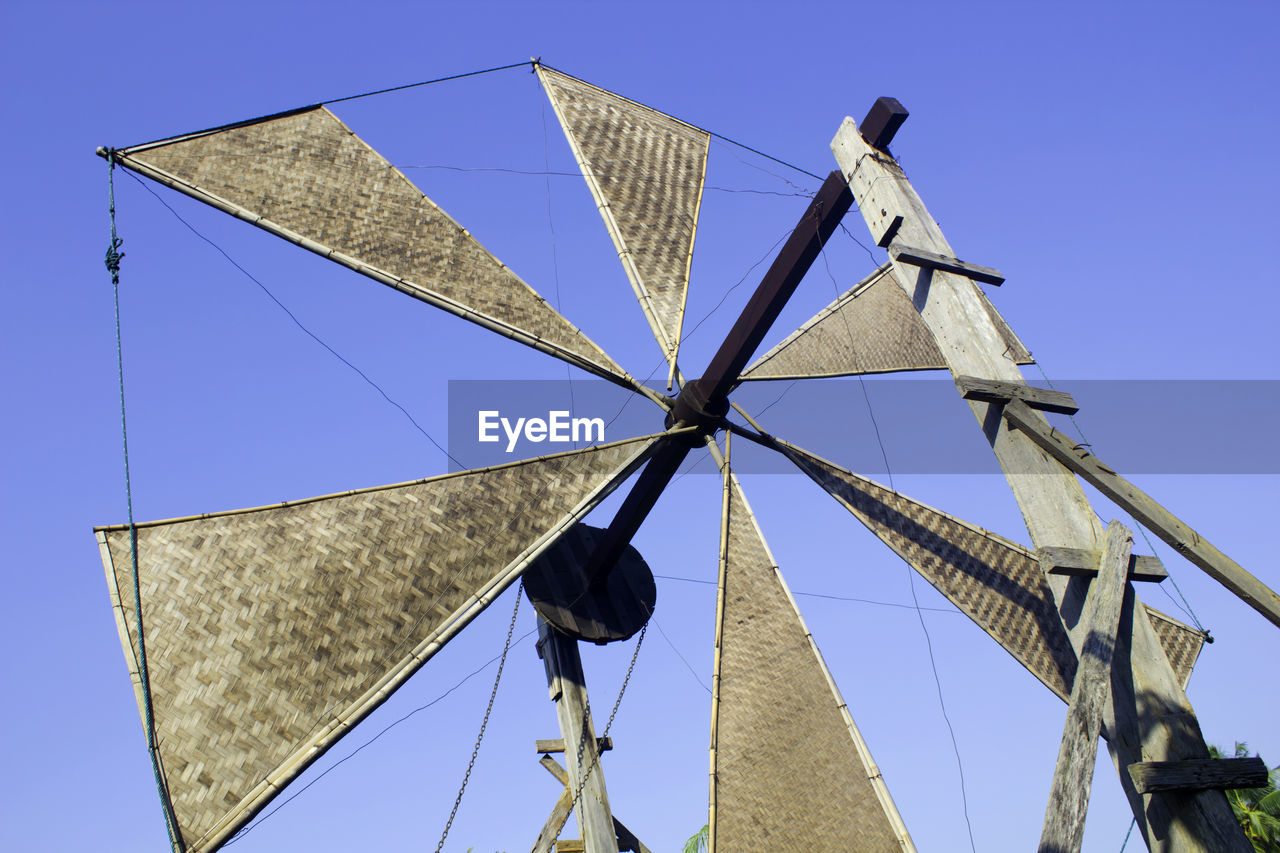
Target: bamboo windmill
{"x": 278, "y": 629}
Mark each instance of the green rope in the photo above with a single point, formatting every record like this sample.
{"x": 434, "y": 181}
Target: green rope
{"x": 114, "y": 256}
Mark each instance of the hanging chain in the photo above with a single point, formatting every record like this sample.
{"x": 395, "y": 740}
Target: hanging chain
{"x": 493, "y": 694}
{"x": 586, "y": 719}
{"x": 112, "y": 260}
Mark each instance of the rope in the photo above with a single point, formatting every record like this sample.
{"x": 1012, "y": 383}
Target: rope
{"x": 113, "y": 258}
{"x": 493, "y": 694}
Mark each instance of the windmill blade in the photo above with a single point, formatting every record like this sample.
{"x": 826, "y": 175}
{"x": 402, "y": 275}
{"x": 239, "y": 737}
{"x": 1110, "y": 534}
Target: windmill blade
{"x": 271, "y": 632}
{"x": 790, "y": 771}
{"x": 290, "y": 174}
{"x": 996, "y": 583}
{"x": 645, "y": 170}
{"x": 871, "y": 328}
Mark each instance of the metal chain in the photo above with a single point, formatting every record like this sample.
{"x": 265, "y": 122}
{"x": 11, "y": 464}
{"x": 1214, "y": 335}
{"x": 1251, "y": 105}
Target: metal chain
{"x": 586, "y": 712}
{"x": 466, "y": 777}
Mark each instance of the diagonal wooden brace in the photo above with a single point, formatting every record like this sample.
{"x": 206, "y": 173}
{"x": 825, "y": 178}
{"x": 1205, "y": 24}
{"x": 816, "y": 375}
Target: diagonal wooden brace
{"x": 1147, "y": 511}
{"x": 627, "y": 840}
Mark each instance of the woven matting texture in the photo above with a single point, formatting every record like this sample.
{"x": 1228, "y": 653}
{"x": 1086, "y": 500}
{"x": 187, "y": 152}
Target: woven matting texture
{"x": 995, "y": 582}
{"x": 646, "y": 170}
{"x": 791, "y": 772}
{"x": 308, "y": 174}
{"x": 872, "y": 328}
{"x": 1181, "y": 643}
{"x": 265, "y": 627}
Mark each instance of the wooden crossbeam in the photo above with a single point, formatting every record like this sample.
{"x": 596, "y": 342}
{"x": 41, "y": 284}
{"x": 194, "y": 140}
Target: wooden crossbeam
{"x": 627, "y": 841}
{"x": 603, "y": 744}
{"x": 1147, "y": 511}
{"x": 992, "y": 391}
{"x": 1081, "y": 562}
{"x": 1198, "y": 774}
{"x": 1073, "y": 775}
{"x": 946, "y": 263}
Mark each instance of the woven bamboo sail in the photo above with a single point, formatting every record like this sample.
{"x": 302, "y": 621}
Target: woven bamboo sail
{"x": 306, "y": 177}
{"x": 790, "y": 771}
{"x": 871, "y": 328}
{"x": 996, "y": 583}
{"x": 646, "y": 171}
{"x": 270, "y": 632}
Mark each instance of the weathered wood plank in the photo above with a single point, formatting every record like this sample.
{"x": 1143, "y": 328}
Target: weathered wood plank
{"x": 627, "y": 840}
{"x": 1219, "y": 774}
{"x": 603, "y": 744}
{"x": 1073, "y": 776}
{"x": 1055, "y": 510}
{"x": 946, "y": 263}
{"x": 567, "y": 686}
{"x": 1148, "y": 512}
{"x": 1083, "y": 562}
{"x": 992, "y": 391}
{"x": 556, "y": 821}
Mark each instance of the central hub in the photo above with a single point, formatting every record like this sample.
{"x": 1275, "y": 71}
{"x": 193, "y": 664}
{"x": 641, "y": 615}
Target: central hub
{"x": 694, "y": 408}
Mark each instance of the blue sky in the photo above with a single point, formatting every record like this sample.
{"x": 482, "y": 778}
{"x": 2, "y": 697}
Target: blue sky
{"x": 1116, "y": 162}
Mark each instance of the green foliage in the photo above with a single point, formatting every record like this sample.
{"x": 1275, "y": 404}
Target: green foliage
{"x": 698, "y": 842}
{"x": 1257, "y": 809}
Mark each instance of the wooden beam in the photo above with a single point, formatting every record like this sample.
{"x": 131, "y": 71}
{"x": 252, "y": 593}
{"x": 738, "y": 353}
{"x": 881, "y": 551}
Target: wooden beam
{"x": 1220, "y": 774}
{"x": 882, "y": 122}
{"x": 1083, "y": 562}
{"x": 1149, "y": 716}
{"x": 992, "y": 391}
{"x": 1148, "y": 512}
{"x": 946, "y": 263}
{"x": 627, "y": 840}
{"x": 567, "y": 686}
{"x": 603, "y": 744}
{"x": 556, "y": 820}
{"x": 1073, "y": 776}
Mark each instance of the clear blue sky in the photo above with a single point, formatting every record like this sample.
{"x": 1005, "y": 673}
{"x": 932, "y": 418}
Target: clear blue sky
{"x": 1116, "y": 162}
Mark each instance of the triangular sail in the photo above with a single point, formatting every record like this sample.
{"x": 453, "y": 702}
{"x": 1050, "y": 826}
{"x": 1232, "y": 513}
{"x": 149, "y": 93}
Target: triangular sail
{"x": 790, "y": 771}
{"x": 270, "y": 632}
{"x": 646, "y": 171}
{"x": 871, "y": 328}
{"x": 996, "y": 583}
{"x": 305, "y": 177}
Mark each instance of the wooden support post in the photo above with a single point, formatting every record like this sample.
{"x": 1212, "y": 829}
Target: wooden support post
{"x": 1149, "y": 716}
{"x": 1073, "y": 775}
{"x": 1137, "y": 503}
{"x": 568, "y": 690}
